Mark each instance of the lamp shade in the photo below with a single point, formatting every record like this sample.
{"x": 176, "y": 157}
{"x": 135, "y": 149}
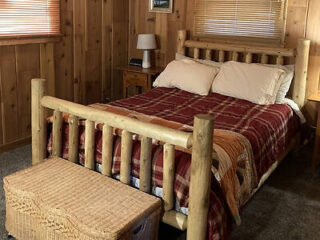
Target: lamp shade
{"x": 146, "y": 41}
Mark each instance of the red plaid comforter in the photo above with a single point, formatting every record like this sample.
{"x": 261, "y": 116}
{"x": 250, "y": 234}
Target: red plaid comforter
{"x": 267, "y": 128}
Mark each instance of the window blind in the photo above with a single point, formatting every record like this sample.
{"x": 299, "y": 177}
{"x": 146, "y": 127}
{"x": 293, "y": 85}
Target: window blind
{"x": 24, "y": 18}
{"x": 262, "y": 19}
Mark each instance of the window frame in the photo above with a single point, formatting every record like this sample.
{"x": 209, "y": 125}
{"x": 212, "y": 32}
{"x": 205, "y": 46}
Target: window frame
{"x": 9, "y": 41}
{"x": 32, "y": 38}
{"x": 242, "y": 39}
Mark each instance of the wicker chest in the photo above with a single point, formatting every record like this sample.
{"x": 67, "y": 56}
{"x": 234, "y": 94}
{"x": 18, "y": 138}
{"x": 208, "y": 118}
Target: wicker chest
{"x": 61, "y": 200}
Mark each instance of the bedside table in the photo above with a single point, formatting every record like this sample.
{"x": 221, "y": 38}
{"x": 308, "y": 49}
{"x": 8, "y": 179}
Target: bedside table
{"x": 316, "y": 150}
{"x": 138, "y": 77}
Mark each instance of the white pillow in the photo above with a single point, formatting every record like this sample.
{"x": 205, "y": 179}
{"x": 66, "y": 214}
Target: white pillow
{"x": 203, "y": 61}
{"x": 286, "y": 80}
{"x": 252, "y": 82}
{"x": 187, "y": 75}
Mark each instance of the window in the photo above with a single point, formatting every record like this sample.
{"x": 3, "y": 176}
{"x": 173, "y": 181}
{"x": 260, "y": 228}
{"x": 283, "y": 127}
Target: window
{"x": 29, "y": 18}
{"x": 241, "y": 19}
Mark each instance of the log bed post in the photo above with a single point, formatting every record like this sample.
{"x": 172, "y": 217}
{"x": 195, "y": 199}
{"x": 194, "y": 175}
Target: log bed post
{"x": 182, "y": 36}
{"x": 38, "y": 120}
{"x": 200, "y": 177}
{"x": 301, "y": 71}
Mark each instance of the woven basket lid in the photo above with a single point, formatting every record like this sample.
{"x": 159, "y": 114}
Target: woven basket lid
{"x": 97, "y": 205}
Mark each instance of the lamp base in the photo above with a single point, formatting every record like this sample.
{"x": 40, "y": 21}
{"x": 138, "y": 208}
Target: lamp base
{"x": 146, "y": 59}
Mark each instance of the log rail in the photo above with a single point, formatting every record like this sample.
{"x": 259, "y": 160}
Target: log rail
{"x": 200, "y": 141}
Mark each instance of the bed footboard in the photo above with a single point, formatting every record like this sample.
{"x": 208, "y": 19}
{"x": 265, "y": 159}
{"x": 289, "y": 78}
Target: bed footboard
{"x": 201, "y": 142}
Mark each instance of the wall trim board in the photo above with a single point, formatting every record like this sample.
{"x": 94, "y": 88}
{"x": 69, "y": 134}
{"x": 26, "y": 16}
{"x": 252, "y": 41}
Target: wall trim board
{"x": 16, "y": 144}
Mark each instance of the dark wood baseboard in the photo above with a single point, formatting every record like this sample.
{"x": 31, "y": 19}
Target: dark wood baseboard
{"x": 18, "y": 143}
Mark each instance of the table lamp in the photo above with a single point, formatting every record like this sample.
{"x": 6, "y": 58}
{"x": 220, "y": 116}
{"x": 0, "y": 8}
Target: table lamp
{"x": 146, "y": 42}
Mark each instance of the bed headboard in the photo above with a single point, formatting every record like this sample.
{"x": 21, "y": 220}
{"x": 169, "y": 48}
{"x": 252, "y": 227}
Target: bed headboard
{"x": 262, "y": 54}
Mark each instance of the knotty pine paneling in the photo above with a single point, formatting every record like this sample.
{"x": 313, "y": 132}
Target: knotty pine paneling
{"x": 106, "y": 45}
{"x": 18, "y": 65}
{"x": 120, "y": 32}
{"x": 9, "y": 94}
{"x": 93, "y": 52}
{"x": 27, "y": 67}
{"x": 100, "y": 44}
{"x": 64, "y": 54}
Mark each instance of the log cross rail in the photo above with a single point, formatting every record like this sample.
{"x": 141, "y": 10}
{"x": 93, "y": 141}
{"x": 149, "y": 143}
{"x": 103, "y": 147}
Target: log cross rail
{"x": 201, "y": 141}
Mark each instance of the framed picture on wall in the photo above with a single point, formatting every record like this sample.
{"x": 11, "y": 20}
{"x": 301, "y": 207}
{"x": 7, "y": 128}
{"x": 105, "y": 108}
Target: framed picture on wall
{"x": 163, "y": 6}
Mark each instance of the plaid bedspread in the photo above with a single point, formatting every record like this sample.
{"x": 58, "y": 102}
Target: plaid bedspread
{"x": 260, "y": 132}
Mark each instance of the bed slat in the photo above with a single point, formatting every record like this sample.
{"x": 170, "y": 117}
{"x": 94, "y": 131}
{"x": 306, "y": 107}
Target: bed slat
{"x": 168, "y": 176}
{"x": 126, "y": 151}
{"x": 221, "y": 56}
{"x": 264, "y": 58}
{"x": 280, "y": 60}
{"x": 145, "y": 164}
{"x": 249, "y": 58}
{"x": 196, "y": 53}
{"x": 107, "y": 145}
{"x": 208, "y": 54}
{"x": 73, "y": 139}
{"x": 89, "y": 145}
{"x": 235, "y": 56}
{"x": 57, "y": 134}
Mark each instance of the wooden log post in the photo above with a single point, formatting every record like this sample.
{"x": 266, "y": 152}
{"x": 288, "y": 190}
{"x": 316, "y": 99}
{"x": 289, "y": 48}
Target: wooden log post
{"x": 196, "y": 53}
{"x": 248, "y": 58}
{"x": 38, "y": 119}
{"x": 301, "y": 71}
{"x": 235, "y": 56}
{"x": 280, "y": 60}
{"x": 57, "y": 134}
{"x": 168, "y": 176}
{"x": 145, "y": 164}
{"x": 221, "y": 56}
{"x": 176, "y": 219}
{"x": 89, "y": 145}
{"x": 264, "y": 58}
{"x": 73, "y": 153}
{"x": 182, "y": 37}
{"x": 200, "y": 177}
{"x": 208, "y": 54}
{"x": 107, "y": 146}
{"x": 126, "y": 152}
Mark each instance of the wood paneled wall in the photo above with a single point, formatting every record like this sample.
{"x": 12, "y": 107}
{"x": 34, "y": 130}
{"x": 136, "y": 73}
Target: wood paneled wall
{"x": 18, "y": 64}
{"x": 302, "y": 22}
{"x": 80, "y": 67}
{"x": 95, "y": 41}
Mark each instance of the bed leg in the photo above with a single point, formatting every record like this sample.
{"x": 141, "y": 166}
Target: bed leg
{"x": 38, "y": 121}
{"x": 200, "y": 177}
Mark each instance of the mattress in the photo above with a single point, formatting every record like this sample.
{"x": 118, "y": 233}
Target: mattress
{"x": 264, "y": 130}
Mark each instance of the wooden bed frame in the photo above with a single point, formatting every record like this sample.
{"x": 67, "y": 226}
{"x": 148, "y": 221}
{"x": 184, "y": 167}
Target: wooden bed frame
{"x": 200, "y": 140}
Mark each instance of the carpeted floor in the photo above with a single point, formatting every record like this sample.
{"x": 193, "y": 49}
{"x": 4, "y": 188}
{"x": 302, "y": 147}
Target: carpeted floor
{"x": 286, "y": 207}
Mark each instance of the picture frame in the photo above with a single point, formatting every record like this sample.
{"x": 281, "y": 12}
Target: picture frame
{"x": 161, "y": 6}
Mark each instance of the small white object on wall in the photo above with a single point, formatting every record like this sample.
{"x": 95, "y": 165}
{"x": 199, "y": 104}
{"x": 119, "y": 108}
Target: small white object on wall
{"x": 146, "y": 42}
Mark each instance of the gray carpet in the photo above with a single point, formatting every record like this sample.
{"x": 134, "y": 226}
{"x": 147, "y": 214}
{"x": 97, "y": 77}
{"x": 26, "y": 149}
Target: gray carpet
{"x": 11, "y": 162}
{"x": 286, "y": 207}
